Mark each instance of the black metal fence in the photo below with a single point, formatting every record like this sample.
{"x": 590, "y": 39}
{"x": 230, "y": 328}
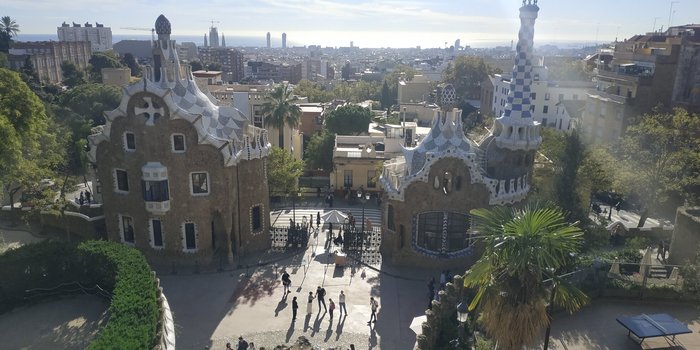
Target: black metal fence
{"x": 284, "y": 238}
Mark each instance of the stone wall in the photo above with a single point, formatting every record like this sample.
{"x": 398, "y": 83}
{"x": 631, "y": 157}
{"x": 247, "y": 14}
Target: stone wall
{"x": 685, "y": 243}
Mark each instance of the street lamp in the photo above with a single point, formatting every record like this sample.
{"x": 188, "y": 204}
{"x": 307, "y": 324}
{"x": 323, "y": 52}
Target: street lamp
{"x": 462, "y": 315}
{"x": 363, "y": 196}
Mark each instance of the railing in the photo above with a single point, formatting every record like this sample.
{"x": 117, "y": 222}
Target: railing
{"x": 66, "y": 288}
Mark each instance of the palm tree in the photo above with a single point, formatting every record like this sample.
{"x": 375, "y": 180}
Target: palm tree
{"x": 9, "y": 26}
{"x": 280, "y": 110}
{"x": 516, "y": 276}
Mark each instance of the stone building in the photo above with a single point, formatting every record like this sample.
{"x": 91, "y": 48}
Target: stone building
{"x": 47, "y": 56}
{"x": 231, "y": 61}
{"x": 431, "y": 189}
{"x": 99, "y": 36}
{"x": 180, "y": 178}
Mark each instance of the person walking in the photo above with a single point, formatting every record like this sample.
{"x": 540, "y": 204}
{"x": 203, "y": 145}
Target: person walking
{"x": 88, "y": 196}
{"x": 252, "y": 346}
{"x": 320, "y": 295}
{"x": 310, "y": 304}
{"x": 286, "y": 282}
{"x": 228, "y": 346}
{"x": 331, "y": 307}
{"x": 341, "y": 301}
{"x": 295, "y": 306}
{"x": 242, "y": 344}
{"x": 373, "y": 305}
{"x": 318, "y": 219}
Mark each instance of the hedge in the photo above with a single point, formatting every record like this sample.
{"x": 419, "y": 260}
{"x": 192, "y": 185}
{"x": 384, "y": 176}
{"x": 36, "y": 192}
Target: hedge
{"x": 121, "y": 270}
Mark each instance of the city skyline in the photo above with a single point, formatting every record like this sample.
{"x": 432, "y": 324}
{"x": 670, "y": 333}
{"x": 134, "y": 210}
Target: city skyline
{"x": 385, "y": 23}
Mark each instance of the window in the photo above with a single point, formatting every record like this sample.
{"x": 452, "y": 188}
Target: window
{"x": 190, "y": 236}
{"x": 547, "y": 96}
{"x": 126, "y": 224}
{"x": 575, "y": 97}
{"x": 390, "y": 217}
{"x": 256, "y": 218}
{"x": 347, "y": 178}
{"x": 544, "y": 122}
{"x": 371, "y": 183}
{"x": 178, "y": 143}
{"x": 155, "y": 191}
{"x": 122, "y": 180}
{"x": 545, "y": 109}
{"x": 533, "y": 95}
{"x": 129, "y": 141}
{"x": 156, "y": 233}
{"x": 442, "y": 232}
{"x": 561, "y": 97}
{"x": 200, "y": 183}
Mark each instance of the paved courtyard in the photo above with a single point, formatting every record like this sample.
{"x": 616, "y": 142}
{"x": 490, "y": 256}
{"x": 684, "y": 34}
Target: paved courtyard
{"x": 212, "y": 309}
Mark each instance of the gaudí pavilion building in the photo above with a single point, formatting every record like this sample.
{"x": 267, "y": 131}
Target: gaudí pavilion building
{"x": 180, "y": 178}
{"x": 431, "y": 189}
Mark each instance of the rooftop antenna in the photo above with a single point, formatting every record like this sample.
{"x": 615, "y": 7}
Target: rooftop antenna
{"x": 670, "y": 12}
{"x": 653, "y": 28}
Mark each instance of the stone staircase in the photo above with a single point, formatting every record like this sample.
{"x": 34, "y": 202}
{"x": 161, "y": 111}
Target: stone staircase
{"x": 658, "y": 271}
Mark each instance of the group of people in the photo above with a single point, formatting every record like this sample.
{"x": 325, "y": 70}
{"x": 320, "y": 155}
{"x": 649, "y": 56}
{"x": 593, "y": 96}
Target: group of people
{"x": 85, "y": 197}
{"x": 320, "y": 297}
{"x": 242, "y": 345}
{"x": 433, "y": 294}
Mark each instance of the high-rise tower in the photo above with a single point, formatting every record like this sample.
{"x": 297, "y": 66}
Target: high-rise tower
{"x": 223, "y": 40}
{"x": 516, "y": 129}
{"x": 268, "y": 40}
{"x": 284, "y": 40}
{"x": 214, "y": 36}
{"x": 206, "y": 43}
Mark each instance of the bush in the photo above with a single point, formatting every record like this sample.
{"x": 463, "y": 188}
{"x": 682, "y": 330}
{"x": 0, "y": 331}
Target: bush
{"x": 121, "y": 270}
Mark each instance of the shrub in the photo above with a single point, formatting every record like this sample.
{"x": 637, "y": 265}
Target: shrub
{"x": 121, "y": 270}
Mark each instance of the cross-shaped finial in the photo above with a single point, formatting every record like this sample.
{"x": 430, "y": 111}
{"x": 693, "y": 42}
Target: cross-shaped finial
{"x": 149, "y": 111}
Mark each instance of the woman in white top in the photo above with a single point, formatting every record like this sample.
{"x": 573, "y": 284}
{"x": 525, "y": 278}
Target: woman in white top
{"x": 310, "y": 304}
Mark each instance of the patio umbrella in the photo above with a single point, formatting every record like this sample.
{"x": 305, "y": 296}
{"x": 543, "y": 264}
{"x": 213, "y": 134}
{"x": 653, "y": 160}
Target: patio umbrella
{"x": 615, "y": 268}
{"x": 417, "y": 324}
{"x": 334, "y": 216}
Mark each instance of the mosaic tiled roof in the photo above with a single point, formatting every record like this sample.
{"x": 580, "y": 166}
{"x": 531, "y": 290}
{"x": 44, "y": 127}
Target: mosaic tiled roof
{"x": 162, "y": 25}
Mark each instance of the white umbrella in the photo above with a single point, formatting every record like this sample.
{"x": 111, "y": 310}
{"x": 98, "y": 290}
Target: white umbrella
{"x": 417, "y": 324}
{"x": 334, "y": 216}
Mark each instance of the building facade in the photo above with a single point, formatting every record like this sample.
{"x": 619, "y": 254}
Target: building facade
{"x": 47, "y": 56}
{"x": 99, "y": 36}
{"x": 645, "y": 71}
{"x": 276, "y": 72}
{"x": 180, "y": 178}
{"x": 431, "y": 189}
{"x": 231, "y": 61}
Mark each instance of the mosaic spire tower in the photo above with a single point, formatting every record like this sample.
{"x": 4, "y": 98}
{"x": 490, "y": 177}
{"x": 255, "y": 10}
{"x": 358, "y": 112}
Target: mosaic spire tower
{"x": 516, "y": 129}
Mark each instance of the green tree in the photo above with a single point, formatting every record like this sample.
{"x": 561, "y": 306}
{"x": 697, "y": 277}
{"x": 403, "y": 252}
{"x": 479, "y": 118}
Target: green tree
{"x": 660, "y": 155}
{"x": 72, "y": 76}
{"x": 466, "y": 73}
{"x": 214, "y": 66}
{"x": 566, "y": 184}
{"x": 129, "y": 61}
{"x": 315, "y": 92}
{"x": 9, "y": 26}
{"x": 348, "y": 120}
{"x": 386, "y": 99}
{"x": 4, "y": 62}
{"x": 319, "y": 151}
{"x": 91, "y": 101}
{"x": 283, "y": 172}
{"x": 99, "y": 60}
{"x": 523, "y": 248}
{"x": 31, "y": 149}
{"x": 281, "y": 110}
{"x": 196, "y": 65}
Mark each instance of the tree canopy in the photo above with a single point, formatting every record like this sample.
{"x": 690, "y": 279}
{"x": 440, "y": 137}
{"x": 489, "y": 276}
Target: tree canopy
{"x": 283, "y": 172}
{"x": 99, "y": 60}
{"x": 129, "y": 61}
{"x": 315, "y": 92}
{"x": 319, "y": 150}
{"x": 8, "y": 29}
{"x": 91, "y": 100}
{"x": 72, "y": 75}
{"x": 348, "y": 120}
{"x": 466, "y": 73}
{"x": 31, "y": 149}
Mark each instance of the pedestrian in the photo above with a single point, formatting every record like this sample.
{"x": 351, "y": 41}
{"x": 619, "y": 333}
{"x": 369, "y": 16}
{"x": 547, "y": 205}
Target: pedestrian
{"x": 228, "y": 346}
{"x": 660, "y": 250}
{"x": 242, "y": 344}
{"x": 331, "y": 307}
{"x": 82, "y": 198}
{"x": 320, "y": 295}
{"x": 252, "y": 346}
{"x": 374, "y": 306}
{"x": 310, "y": 304}
{"x": 295, "y": 306}
{"x": 88, "y": 196}
{"x": 311, "y": 220}
{"x": 341, "y": 301}
{"x": 443, "y": 279}
{"x": 291, "y": 223}
{"x": 318, "y": 219}
{"x": 286, "y": 282}
{"x": 431, "y": 285}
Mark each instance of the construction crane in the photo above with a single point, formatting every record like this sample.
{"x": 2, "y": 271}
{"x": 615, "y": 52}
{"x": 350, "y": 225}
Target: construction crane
{"x": 153, "y": 36}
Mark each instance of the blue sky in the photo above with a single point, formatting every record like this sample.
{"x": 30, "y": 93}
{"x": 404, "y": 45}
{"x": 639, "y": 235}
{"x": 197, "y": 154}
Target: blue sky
{"x": 379, "y": 23}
